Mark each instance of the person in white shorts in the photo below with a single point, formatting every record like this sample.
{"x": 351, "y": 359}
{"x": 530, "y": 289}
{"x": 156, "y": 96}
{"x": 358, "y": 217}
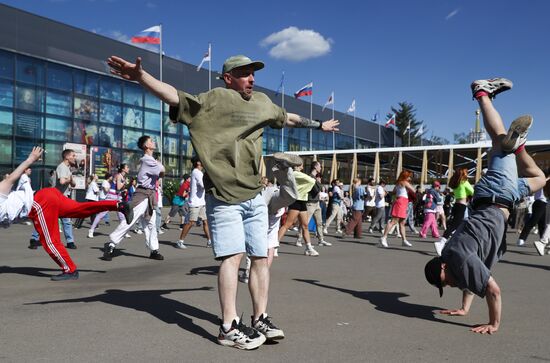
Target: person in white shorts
{"x": 197, "y": 206}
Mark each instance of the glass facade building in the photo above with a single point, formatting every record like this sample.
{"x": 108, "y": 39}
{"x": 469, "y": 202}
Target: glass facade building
{"x": 55, "y": 89}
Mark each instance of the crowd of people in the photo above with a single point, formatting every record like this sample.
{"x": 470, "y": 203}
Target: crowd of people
{"x": 227, "y": 196}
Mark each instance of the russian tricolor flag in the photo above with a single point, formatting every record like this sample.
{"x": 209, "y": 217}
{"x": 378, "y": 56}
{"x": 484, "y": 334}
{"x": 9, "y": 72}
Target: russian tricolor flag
{"x": 149, "y": 36}
{"x": 391, "y": 121}
{"x": 307, "y": 90}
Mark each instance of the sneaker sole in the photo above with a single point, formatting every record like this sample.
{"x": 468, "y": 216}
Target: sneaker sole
{"x": 277, "y": 336}
{"x": 518, "y": 127}
{"x": 290, "y": 159}
{"x": 246, "y": 346}
{"x": 539, "y": 246}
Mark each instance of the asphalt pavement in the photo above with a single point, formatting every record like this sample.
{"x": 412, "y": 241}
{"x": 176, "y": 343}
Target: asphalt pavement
{"x": 354, "y": 303}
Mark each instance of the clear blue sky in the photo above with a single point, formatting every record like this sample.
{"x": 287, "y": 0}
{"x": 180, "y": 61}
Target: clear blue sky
{"x": 379, "y": 52}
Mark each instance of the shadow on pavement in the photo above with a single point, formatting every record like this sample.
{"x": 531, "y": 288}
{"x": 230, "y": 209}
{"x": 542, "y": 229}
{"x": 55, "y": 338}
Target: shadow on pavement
{"x": 547, "y": 267}
{"x": 36, "y": 271}
{"x": 389, "y": 302}
{"x": 205, "y": 270}
{"x": 118, "y": 252}
{"x": 151, "y": 301}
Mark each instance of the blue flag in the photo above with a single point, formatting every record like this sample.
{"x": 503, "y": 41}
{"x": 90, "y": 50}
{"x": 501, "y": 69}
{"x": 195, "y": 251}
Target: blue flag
{"x": 280, "y": 85}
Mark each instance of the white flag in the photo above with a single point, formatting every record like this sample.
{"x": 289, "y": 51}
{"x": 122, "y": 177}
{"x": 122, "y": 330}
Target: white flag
{"x": 206, "y": 58}
{"x": 330, "y": 101}
{"x": 420, "y": 131}
{"x": 352, "y": 107}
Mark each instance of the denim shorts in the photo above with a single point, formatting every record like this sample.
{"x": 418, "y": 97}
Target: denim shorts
{"x": 237, "y": 228}
{"x": 502, "y": 181}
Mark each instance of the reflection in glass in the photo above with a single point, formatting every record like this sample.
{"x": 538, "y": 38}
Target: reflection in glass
{"x": 109, "y": 136}
{"x": 151, "y": 101}
{"x": 84, "y": 133}
{"x": 22, "y": 149}
{"x": 86, "y": 83}
{"x": 29, "y": 99}
{"x": 133, "y": 117}
{"x": 110, "y": 113}
{"x": 171, "y": 165}
{"x": 170, "y": 145}
{"x": 133, "y": 94}
{"x": 110, "y": 89}
{"x": 59, "y": 77}
{"x": 85, "y": 109}
{"x": 130, "y": 138}
{"x": 6, "y": 122}
{"x": 58, "y": 128}
{"x": 30, "y": 70}
{"x": 6, "y": 65}
{"x": 28, "y": 125}
{"x": 6, "y": 94}
{"x": 58, "y": 104}
{"x": 152, "y": 121}
{"x": 5, "y": 150}
{"x": 132, "y": 159}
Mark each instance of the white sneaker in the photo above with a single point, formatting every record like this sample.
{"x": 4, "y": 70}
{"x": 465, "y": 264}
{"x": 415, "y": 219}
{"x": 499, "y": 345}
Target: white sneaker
{"x": 371, "y": 231}
{"x": 295, "y": 229}
{"x": 138, "y": 231}
{"x": 127, "y": 235}
{"x": 383, "y": 242}
{"x": 406, "y": 243}
{"x": 208, "y": 244}
{"x": 520, "y": 243}
{"x": 540, "y": 246}
{"x": 325, "y": 231}
{"x": 244, "y": 277}
{"x": 240, "y": 336}
{"x": 517, "y": 133}
{"x": 298, "y": 244}
{"x": 324, "y": 243}
{"x": 160, "y": 231}
{"x": 276, "y": 252}
{"x": 438, "y": 245}
{"x": 181, "y": 245}
{"x": 265, "y": 326}
{"x": 311, "y": 252}
{"x": 90, "y": 233}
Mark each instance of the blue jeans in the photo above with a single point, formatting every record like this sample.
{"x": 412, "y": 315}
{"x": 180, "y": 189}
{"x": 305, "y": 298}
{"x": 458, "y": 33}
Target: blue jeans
{"x": 501, "y": 180}
{"x": 238, "y": 228}
{"x": 67, "y": 230}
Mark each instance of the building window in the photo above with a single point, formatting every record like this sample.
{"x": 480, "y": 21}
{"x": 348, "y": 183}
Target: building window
{"x": 85, "y": 109}
{"x": 28, "y": 125}
{"x": 6, "y": 94}
{"x": 30, "y": 99}
{"x": 151, "y": 101}
{"x": 152, "y": 121}
{"x": 58, "y": 128}
{"x": 133, "y": 117}
{"x": 58, "y": 104}
{"x": 6, "y": 124}
{"x": 130, "y": 138}
{"x": 109, "y": 136}
{"x": 110, "y": 89}
{"x": 30, "y": 71}
{"x": 5, "y": 151}
{"x": 110, "y": 113}
{"x": 6, "y": 65}
{"x": 59, "y": 77}
{"x": 133, "y": 94}
{"x": 170, "y": 145}
{"x": 86, "y": 83}
{"x": 84, "y": 133}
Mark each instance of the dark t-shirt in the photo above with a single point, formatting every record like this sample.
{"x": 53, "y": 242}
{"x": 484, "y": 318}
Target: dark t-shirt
{"x": 475, "y": 247}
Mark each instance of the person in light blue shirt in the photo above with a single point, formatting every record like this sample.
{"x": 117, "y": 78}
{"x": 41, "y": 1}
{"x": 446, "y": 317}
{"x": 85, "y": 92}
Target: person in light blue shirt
{"x": 358, "y": 206}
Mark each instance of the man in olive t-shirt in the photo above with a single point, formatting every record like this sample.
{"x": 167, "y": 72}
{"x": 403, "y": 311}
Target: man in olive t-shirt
{"x": 226, "y": 127}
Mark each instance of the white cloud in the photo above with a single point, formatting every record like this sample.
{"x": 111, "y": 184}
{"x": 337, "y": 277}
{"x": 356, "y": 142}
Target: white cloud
{"x": 452, "y": 13}
{"x": 297, "y": 44}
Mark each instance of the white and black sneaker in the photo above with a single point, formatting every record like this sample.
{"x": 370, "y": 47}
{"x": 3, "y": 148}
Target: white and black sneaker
{"x": 517, "y": 133}
{"x": 108, "y": 250}
{"x": 287, "y": 160}
{"x": 240, "y": 336}
{"x": 492, "y": 86}
{"x": 265, "y": 326}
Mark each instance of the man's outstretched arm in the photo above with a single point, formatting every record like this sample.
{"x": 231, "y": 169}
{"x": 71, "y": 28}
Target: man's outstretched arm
{"x": 9, "y": 181}
{"x": 494, "y": 304}
{"x": 294, "y": 120}
{"x": 134, "y": 72}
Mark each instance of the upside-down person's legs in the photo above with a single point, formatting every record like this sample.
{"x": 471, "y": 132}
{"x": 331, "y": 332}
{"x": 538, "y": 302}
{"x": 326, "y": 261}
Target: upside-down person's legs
{"x": 528, "y": 169}
{"x": 492, "y": 122}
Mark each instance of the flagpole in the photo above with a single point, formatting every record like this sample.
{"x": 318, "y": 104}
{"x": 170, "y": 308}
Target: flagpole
{"x": 379, "y": 132}
{"x": 311, "y": 118}
{"x": 409, "y": 128}
{"x": 354, "y": 131}
{"x": 394, "y": 136}
{"x": 210, "y": 66}
{"x": 333, "y": 132}
{"x": 161, "y": 146}
{"x": 283, "y": 106}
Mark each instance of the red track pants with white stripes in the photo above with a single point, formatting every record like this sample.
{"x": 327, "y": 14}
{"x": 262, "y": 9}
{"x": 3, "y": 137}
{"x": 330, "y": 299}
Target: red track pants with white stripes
{"x": 49, "y": 205}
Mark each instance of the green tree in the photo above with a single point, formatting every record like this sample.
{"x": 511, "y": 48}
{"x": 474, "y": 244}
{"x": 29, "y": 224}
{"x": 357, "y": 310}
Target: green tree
{"x": 406, "y": 123}
{"x": 461, "y": 138}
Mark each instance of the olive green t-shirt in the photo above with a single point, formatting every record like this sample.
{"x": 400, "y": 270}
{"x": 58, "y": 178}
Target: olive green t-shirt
{"x": 227, "y": 133}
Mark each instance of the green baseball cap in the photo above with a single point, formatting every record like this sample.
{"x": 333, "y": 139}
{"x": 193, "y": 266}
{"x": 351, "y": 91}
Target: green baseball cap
{"x": 237, "y": 61}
